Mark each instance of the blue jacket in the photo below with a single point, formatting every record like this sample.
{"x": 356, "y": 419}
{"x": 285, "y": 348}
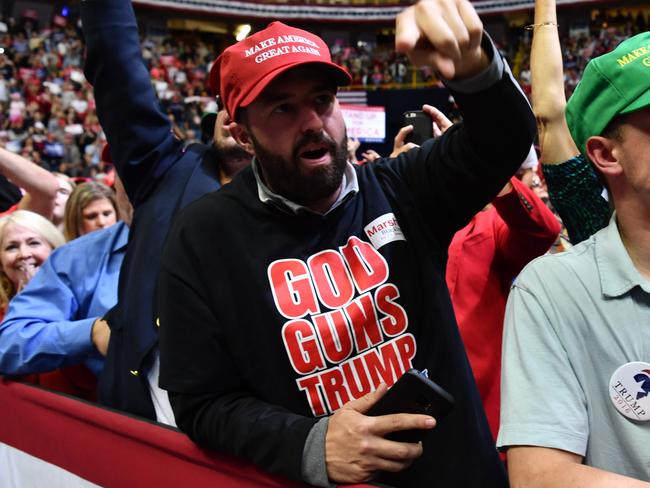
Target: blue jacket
{"x": 48, "y": 324}
{"x": 159, "y": 177}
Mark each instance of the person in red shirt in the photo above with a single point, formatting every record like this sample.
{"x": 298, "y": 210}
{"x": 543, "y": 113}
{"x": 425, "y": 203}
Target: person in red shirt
{"x": 484, "y": 257}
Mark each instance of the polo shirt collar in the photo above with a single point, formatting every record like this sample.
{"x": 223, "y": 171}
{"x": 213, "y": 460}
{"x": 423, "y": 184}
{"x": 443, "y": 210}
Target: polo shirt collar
{"x": 615, "y": 268}
{"x": 349, "y": 187}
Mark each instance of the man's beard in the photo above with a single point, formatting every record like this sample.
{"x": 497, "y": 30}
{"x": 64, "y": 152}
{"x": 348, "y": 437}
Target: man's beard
{"x": 230, "y": 150}
{"x": 294, "y": 181}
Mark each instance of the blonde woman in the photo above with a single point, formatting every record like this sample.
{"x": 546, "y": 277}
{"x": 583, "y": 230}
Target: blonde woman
{"x": 26, "y": 241}
{"x": 52, "y": 333}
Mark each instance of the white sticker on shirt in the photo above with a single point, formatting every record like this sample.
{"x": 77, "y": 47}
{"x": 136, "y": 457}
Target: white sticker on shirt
{"x": 384, "y": 230}
{"x": 629, "y": 389}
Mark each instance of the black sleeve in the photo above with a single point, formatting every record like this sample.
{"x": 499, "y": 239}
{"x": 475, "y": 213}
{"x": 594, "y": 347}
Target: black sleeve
{"x": 237, "y": 423}
{"x": 211, "y": 401}
{"x": 9, "y": 194}
{"x": 138, "y": 133}
{"x": 456, "y": 175}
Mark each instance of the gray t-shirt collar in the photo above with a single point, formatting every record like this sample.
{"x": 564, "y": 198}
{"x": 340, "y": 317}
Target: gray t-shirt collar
{"x": 618, "y": 275}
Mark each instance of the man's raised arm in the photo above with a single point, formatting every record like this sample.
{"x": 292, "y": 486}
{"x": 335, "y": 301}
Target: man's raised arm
{"x": 139, "y": 134}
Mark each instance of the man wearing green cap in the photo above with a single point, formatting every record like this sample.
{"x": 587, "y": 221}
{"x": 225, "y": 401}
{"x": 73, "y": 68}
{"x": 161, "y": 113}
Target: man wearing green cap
{"x": 576, "y": 368}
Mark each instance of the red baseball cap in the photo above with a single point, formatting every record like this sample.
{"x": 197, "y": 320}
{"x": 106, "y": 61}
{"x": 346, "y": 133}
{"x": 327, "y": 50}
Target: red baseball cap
{"x": 244, "y": 69}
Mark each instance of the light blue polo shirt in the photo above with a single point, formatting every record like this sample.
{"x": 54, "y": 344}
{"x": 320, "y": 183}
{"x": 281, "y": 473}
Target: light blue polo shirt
{"x": 572, "y": 320}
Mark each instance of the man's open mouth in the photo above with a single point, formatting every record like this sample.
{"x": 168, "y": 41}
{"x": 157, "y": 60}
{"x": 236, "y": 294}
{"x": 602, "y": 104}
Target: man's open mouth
{"x": 314, "y": 153}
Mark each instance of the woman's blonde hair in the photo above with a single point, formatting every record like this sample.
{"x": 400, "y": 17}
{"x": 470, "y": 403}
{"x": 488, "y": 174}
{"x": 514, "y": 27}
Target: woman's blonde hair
{"x": 66, "y": 178}
{"x": 35, "y": 223}
{"x": 82, "y": 196}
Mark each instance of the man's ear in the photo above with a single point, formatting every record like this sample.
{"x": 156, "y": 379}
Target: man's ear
{"x": 240, "y": 133}
{"x": 602, "y": 151}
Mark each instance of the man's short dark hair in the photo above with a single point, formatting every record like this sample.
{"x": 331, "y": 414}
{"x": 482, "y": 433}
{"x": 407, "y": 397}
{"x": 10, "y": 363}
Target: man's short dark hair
{"x": 613, "y": 129}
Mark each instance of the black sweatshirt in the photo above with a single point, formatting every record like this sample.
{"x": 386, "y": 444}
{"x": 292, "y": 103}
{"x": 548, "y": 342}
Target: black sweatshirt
{"x": 271, "y": 319}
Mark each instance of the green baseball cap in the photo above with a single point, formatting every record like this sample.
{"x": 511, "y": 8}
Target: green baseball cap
{"x": 613, "y": 84}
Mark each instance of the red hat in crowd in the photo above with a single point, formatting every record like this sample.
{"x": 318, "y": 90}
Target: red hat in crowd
{"x": 106, "y": 154}
{"x": 109, "y": 178}
{"x": 244, "y": 69}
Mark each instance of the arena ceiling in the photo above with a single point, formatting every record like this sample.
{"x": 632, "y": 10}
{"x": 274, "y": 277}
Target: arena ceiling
{"x": 326, "y": 10}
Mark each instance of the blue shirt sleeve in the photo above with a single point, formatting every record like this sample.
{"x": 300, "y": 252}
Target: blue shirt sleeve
{"x": 38, "y": 334}
{"x": 48, "y": 324}
{"x": 138, "y": 132}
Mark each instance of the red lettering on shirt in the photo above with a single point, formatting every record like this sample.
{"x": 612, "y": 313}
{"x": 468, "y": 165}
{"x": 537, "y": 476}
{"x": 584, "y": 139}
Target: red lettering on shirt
{"x": 329, "y": 390}
{"x": 369, "y": 268}
{"x": 336, "y": 394}
{"x": 292, "y": 288}
{"x": 333, "y": 282}
{"x": 346, "y": 331}
{"x": 364, "y": 321}
{"x": 309, "y": 384}
{"x": 334, "y": 334}
{"x": 396, "y": 321}
{"x": 302, "y": 345}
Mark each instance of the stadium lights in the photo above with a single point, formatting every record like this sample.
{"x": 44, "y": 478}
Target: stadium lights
{"x": 241, "y": 31}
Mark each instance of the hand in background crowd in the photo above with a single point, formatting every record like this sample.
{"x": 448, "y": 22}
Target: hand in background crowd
{"x": 370, "y": 155}
{"x": 440, "y": 124}
{"x": 353, "y": 146}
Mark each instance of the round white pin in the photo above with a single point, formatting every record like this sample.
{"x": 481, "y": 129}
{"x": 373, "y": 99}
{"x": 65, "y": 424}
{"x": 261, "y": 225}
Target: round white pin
{"x": 629, "y": 389}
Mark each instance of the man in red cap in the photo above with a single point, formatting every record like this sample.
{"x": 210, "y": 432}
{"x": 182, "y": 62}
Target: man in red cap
{"x": 291, "y": 298}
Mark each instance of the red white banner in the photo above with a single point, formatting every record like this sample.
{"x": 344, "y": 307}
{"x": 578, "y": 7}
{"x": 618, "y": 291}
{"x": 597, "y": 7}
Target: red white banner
{"x": 50, "y": 439}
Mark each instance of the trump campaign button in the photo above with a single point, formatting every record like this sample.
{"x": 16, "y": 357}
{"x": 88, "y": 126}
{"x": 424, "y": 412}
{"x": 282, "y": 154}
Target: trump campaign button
{"x": 629, "y": 389}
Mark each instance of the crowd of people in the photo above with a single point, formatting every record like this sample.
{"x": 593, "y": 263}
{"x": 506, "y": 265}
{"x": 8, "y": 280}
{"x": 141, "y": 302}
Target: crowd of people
{"x": 47, "y": 111}
{"x": 267, "y": 318}
{"x": 604, "y": 33}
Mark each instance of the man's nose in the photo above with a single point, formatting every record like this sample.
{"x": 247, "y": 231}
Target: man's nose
{"x": 311, "y": 120}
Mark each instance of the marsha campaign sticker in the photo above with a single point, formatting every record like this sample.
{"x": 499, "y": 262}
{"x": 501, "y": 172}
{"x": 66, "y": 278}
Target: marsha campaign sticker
{"x": 383, "y": 230}
{"x": 629, "y": 389}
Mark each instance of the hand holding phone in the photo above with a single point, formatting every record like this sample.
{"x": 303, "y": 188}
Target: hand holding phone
{"x": 414, "y": 393}
{"x": 356, "y": 448}
{"x": 422, "y": 126}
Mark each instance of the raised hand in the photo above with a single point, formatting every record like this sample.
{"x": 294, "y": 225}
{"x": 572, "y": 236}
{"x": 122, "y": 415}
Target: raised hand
{"x": 440, "y": 124}
{"x": 445, "y": 34}
{"x": 27, "y": 272}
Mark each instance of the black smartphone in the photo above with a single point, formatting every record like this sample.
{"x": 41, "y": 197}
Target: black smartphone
{"x": 413, "y": 393}
{"x": 422, "y": 126}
